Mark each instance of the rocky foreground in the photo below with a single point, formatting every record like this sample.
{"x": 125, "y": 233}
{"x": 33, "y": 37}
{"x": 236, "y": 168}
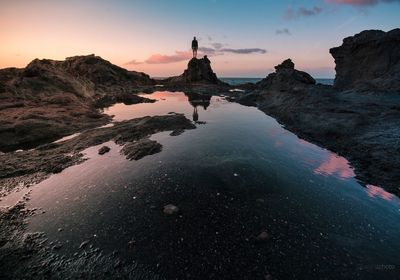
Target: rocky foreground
{"x": 49, "y": 99}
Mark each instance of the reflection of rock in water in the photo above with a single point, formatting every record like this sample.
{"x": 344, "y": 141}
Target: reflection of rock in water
{"x": 196, "y": 99}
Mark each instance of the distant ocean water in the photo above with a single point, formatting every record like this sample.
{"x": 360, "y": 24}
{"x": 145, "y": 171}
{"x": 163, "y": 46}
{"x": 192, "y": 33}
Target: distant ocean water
{"x": 238, "y": 81}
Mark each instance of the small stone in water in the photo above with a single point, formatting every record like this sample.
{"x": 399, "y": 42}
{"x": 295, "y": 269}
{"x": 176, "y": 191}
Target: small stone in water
{"x": 170, "y": 209}
{"x": 263, "y": 236}
{"x": 104, "y": 150}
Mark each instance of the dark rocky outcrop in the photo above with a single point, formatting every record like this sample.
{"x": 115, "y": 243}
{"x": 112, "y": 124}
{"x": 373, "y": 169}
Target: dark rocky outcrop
{"x": 103, "y": 150}
{"x": 369, "y": 60}
{"x": 50, "y": 99}
{"x": 362, "y": 126}
{"x": 286, "y": 77}
{"x": 84, "y": 76}
{"x": 199, "y": 71}
{"x": 139, "y": 149}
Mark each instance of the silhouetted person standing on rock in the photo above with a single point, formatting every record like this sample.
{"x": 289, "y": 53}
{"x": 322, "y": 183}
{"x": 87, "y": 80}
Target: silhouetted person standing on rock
{"x": 195, "y": 46}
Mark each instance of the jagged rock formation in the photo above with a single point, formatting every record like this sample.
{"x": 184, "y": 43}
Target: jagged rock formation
{"x": 363, "y": 127}
{"x": 49, "y": 99}
{"x": 286, "y": 77}
{"x": 199, "y": 71}
{"x": 84, "y": 76}
{"x": 369, "y": 60}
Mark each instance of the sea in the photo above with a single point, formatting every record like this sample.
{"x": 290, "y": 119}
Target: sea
{"x": 237, "y": 81}
{"x": 241, "y": 80}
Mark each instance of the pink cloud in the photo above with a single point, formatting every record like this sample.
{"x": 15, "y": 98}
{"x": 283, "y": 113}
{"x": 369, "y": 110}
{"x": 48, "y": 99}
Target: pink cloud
{"x": 133, "y": 62}
{"x": 163, "y": 59}
{"x": 186, "y": 55}
{"x": 335, "y": 165}
{"x": 360, "y": 2}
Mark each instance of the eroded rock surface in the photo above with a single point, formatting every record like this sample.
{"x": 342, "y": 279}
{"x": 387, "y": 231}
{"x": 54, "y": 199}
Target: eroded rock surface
{"x": 139, "y": 149}
{"x": 369, "y": 60}
{"x": 103, "y": 150}
{"x": 286, "y": 77}
{"x": 198, "y": 71}
{"x": 50, "y": 99}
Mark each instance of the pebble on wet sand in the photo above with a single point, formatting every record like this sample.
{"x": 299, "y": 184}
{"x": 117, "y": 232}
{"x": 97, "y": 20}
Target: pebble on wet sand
{"x": 170, "y": 209}
{"x": 263, "y": 236}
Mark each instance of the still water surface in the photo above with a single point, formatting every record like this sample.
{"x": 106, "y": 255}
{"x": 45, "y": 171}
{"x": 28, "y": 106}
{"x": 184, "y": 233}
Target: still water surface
{"x": 237, "y": 174}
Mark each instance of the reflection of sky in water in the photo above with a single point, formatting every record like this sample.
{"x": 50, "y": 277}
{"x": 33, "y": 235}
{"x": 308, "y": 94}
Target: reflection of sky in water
{"x": 318, "y": 186}
{"x": 166, "y": 103}
{"x": 65, "y": 138}
{"x": 374, "y": 191}
{"x": 335, "y": 165}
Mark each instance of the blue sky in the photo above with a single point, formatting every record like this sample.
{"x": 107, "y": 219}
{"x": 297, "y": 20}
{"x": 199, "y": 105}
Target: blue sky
{"x": 243, "y": 38}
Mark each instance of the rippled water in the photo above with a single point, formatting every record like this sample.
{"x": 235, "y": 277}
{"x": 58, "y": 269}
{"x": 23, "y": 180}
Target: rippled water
{"x": 238, "y": 173}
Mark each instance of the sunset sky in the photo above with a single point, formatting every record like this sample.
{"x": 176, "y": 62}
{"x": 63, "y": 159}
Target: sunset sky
{"x": 242, "y": 38}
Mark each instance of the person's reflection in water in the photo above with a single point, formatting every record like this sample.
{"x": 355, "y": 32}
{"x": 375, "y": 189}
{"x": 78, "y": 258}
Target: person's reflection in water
{"x": 198, "y": 100}
{"x": 195, "y": 114}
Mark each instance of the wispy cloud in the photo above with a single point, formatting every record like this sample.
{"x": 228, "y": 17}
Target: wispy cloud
{"x": 186, "y": 55}
{"x": 133, "y": 62}
{"x": 292, "y": 13}
{"x": 309, "y": 12}
{"x": 244, "y": 51}
{"x": 218, "y": 50}
{"x": 361, "y": 3}
{"x": 283, "y": 31}
{"x": 217, "y": 45}
{"x": 163, "y": 59}
{"x": 208, "y": 51}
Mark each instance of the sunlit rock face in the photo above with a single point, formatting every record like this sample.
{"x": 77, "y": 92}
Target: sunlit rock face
{"x": 286, "y": 77}
{"x": 369, "y": 60}
{"x": 198, "y": 71}
{"x": 85, "y": 76}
